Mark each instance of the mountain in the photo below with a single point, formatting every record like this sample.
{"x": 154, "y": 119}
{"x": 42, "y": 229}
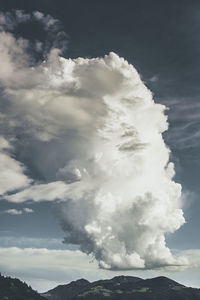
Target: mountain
{"x": 14, "y": 289}
{"x": 67, "y": 291}
{"x": 117, "y": 288}
{"x": 124, "y": 288}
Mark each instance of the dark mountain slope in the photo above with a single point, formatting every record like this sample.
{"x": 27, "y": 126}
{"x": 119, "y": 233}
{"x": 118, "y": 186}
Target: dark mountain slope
{"x": 67, "y": 291}
{"x": 124, "y": 288}
{"x": 14, "y": 289}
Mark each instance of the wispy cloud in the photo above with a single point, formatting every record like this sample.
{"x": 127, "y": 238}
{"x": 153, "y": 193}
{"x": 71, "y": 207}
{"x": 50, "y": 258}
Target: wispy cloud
{"x": 184, "y": 115}
{"x": 14, "y": 211}
{"x": 31, "y": 242}
{"x": 154, "y": 78}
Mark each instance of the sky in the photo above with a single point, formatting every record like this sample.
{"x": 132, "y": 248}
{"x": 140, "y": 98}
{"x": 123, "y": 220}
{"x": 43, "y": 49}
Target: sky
{"x": 99, "y": 140}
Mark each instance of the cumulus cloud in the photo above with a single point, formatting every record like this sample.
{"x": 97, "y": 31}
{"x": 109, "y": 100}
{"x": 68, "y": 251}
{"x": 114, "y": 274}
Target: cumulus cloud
{"x": 90, "y": 136}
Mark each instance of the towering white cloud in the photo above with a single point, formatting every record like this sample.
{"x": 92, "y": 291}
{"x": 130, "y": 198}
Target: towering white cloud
{"x": 90, "y": 136}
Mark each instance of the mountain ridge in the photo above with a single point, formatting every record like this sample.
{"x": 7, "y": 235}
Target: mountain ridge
{"x": 117, "y": 288}
{"x": 124, "y": 287}
{"x": 15, "y": 289}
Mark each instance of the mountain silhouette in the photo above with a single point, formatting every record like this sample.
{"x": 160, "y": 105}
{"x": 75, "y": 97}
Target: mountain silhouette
{"x": 124, "y": 288}
{"x": 117, "y": 288}
{"x": 14, "y": 289}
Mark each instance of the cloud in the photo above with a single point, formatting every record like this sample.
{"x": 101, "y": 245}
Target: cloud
{"x": 184, "y": 133}
{"x": 40, "y": 192}
{"x": 33, "y": 265}
{"x": 29, "y": 242}
{"x": 44, "y": 269}
{"x": 48, "y": 21}
{"x": 56, "y": 37}
{"x": 21, "y": 16}
{"x": 89, "y": 135}
{"x": 12, "y": 172}
{"x": 154, "y": 78}
{"x": 14, "y": 211}
{"x": 193, "y": 256}
{"x": 28, "y": 210}
{"x": 10, "y": 20}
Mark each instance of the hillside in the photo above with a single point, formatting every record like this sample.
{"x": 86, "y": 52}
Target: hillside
{"x": 117, "y": 288}
{"x": 124, "y": 288}
{"x": 14, "y": 289}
